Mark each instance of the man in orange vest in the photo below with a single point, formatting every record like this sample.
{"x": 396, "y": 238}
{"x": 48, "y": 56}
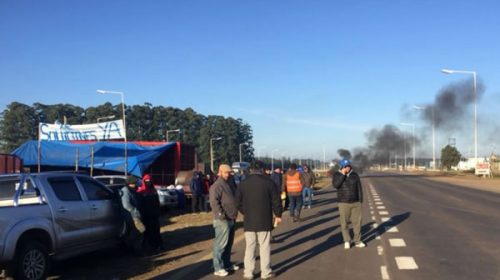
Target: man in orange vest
{"x": 293, "y": 187}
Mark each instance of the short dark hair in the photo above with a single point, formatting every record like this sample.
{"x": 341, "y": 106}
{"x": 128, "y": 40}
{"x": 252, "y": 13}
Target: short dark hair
{"x": 293, "y": 166}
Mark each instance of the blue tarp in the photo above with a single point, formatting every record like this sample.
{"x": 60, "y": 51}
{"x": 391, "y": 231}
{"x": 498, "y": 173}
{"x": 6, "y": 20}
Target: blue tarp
{"x": 107, "y": 155}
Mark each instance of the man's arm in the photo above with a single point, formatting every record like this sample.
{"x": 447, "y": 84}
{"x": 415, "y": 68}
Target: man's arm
{"x": 215, "y": 201}
{"x": 239, "y": 200}
{"x": 338, "y": 179}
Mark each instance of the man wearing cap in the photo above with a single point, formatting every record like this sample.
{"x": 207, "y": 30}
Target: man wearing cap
{"x": 349, "y": 196}
{"x": 222, "y": 202}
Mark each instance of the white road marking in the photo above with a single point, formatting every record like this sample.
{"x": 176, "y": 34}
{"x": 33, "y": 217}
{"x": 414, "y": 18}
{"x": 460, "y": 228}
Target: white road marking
{"x": 378, "y": 237}
{"x": 383, "y": 213}
{"x": 385, "y": 219}
{"x": 380, "y": 250}
{"x": 391, "y": 229}
{"x": 379, "y": 203}
{"x": 406, "y": 263}
{"x": 372, "y": 212}
{"x": 375, "y": 225}
{"x": 397, "y": 242}
{"x": 385, "y": 274}
{"x": 380, "y": 207}
{"x": 373, "y": 218}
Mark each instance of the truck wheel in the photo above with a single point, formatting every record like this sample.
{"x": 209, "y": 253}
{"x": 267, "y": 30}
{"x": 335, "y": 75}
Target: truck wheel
{"x": 32, "y": 261}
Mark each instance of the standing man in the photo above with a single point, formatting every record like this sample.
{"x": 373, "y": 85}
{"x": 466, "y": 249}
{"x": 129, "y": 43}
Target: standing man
{"x": 308, "y": 182}
{"x": 196, "y": 187}
{"x": 133, "y": 236}
{"x": 350, "y": 197}
{"x": 257, "y": 200}
{"x": 222, "y": 202}
{"x": 150, "y": 207}
{"x": 292, "y": 184}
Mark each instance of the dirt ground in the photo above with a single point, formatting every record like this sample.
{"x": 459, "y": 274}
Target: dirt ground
{"x": 188, "y": 238}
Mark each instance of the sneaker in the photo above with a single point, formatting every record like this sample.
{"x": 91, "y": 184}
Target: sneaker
{"x": 347, "y": 245}
{"x": 234, "y": 267}
{"x": 221, "y": 273}
{"x": 360, "y": 245}
{"x": 269, "y": 276}
{"x": 249, "y": 277}
{"x": 309, "y": 207}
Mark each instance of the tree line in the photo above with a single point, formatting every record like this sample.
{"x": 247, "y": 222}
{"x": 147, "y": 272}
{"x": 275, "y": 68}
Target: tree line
{"x": 19, "y": 123}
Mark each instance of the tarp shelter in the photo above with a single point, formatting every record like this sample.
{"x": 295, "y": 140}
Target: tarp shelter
{"x": 107, "y": 155}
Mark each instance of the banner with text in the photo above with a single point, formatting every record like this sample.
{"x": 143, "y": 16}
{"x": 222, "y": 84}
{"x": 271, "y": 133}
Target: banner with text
{"x": 94, "y": 131}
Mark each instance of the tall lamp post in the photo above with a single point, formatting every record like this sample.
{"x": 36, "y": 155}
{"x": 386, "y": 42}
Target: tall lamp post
{"x": 173, "y": 130}
{"x": 413, "y": 136}
{"x": 101, "y": 91}
{"x": 433, "y": 135}
{"x": 212, "y": 151}
{"x": 473, "y": 73}
{"x": 242, "y": 144}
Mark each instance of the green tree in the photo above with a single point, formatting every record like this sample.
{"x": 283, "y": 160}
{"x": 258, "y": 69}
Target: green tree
{"x": 450, "y": 156}
{"x": 19, "y": 123}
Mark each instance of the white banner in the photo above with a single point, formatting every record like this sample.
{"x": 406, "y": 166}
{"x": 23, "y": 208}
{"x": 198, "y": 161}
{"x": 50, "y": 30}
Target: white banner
{"x": 94, "y": 131}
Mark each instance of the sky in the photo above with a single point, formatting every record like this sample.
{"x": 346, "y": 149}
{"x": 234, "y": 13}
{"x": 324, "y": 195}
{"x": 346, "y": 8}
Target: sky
{"x": 310, "y": 77}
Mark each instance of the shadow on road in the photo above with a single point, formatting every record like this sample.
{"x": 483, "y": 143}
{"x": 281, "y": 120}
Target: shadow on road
{"x": 369, "y": 235}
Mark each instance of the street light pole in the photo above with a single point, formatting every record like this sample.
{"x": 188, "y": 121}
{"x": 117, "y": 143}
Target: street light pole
{"x": 212, "y": 151}
{"x": 473, "y": 73}
{"x": 241, "y": 144}
{"x": 101, "y": 91}
{"x": 174, "y": 130}
{"x": 413, "y": 136}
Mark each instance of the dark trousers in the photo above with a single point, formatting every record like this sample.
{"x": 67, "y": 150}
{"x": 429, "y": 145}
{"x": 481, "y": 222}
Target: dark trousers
{"x": 295, "y": 205}
{"x": 198, "y": 203}
{"x": 152, "y": 236}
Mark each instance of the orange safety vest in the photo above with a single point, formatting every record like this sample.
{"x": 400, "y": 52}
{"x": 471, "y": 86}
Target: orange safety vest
{"x": 293, "y": 184}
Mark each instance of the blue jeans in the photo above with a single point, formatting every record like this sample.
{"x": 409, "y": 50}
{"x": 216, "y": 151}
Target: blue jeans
{"x": 295, "y": 205}
{"x": 223, "y": 243}
{"x": 307, "y": 196}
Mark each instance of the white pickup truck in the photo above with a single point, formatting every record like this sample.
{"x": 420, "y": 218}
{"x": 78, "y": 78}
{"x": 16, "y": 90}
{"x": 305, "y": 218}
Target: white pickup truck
{"x": 53, "y": 216}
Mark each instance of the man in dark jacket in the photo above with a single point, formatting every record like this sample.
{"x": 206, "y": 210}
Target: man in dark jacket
{"x": 349, "y": 196}
{"x": 224, "y": 209}
{"x": 196, "y": 187}
{"x": 257, "y": 200}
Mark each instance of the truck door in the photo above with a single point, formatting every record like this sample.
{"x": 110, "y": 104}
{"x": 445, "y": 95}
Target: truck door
{"x": 105, "y": 214}
{"x": 71, "y": 212}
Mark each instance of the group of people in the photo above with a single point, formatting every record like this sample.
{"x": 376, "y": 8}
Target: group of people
{"x": 142, "y": 214}
{"x": 226, "y": 201}
{"x": 260, "y": 198}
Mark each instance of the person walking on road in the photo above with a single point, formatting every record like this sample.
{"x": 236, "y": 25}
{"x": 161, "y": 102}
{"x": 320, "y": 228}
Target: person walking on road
{"x": 308, "y": 181}
{"x": 150, "y": 207}
{"x": 292, "y": 184}
{"x": 350, "y": 197}
{"x": 225, "y": 212}
{"x": 257, "y": 199}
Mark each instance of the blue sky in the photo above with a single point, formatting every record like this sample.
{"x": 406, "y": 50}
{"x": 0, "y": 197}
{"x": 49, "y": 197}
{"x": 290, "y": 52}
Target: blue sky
{"x": 304, "y": 74}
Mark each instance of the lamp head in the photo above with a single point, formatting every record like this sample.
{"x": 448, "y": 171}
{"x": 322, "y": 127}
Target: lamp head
{"x": 447, "y": 71}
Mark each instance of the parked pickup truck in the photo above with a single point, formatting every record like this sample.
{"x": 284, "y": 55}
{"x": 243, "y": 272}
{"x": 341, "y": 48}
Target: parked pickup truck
{"x": 53, "y": 216}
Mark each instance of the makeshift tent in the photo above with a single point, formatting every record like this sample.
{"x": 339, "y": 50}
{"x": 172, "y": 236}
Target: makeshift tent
{"x": 107, "y": 155}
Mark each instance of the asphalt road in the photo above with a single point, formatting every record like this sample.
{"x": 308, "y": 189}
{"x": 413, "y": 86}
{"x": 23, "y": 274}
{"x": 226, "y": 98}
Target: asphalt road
{"x": 414, "y": 228}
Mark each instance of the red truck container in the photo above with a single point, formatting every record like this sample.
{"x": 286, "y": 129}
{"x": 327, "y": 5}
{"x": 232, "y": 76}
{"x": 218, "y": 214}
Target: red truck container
{"x": 10, "y": 164}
